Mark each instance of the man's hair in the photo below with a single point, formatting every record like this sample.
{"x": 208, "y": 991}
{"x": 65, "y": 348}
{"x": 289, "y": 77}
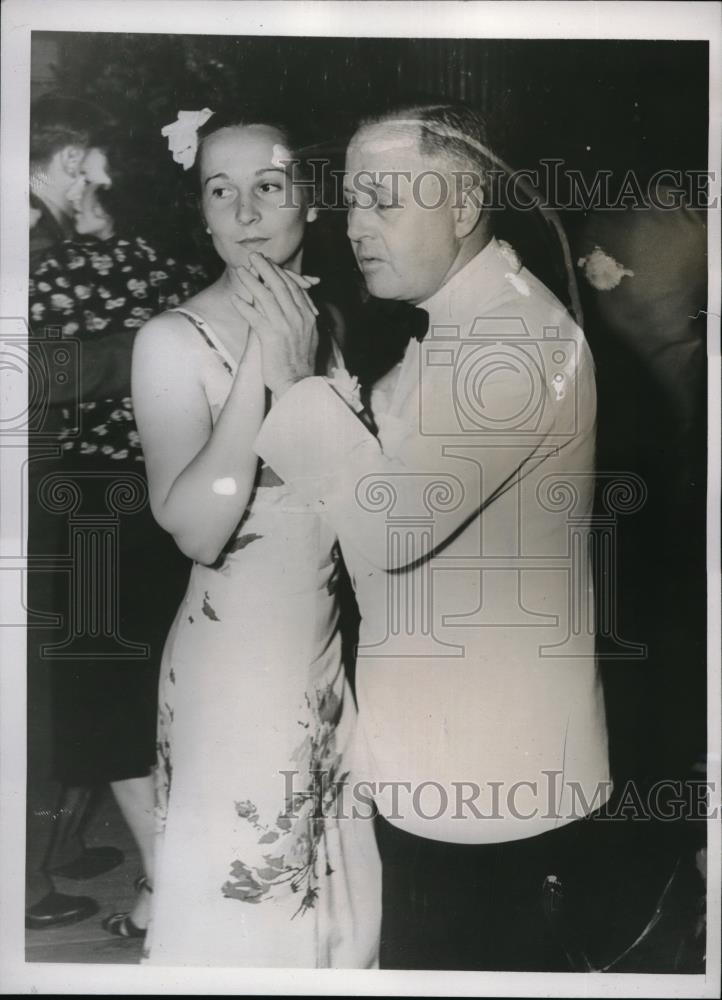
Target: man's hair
{"x": 57, "y": 122}
{"x": 449, "y": 129}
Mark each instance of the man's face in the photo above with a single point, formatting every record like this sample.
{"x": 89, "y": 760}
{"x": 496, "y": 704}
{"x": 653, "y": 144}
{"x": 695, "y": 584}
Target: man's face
{"x": 401, "y": 220}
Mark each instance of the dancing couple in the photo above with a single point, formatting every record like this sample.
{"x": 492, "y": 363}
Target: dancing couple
{"x": 262, "y": 462}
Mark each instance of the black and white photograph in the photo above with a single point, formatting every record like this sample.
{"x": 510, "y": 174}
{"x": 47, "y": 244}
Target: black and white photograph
{"x": 360, "y": 437}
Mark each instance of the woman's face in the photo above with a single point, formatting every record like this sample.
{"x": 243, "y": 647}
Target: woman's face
{"x": 90, "y": 218}
{"x": 249, "y": 200}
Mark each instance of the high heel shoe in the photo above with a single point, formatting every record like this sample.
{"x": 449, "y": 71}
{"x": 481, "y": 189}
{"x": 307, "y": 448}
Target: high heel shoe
{"x": 122, "y": 924}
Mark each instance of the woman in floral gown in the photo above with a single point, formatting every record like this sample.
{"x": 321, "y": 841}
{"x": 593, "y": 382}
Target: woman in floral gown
{"x": 98, "y": 289}
{"x": 260, "y": 860}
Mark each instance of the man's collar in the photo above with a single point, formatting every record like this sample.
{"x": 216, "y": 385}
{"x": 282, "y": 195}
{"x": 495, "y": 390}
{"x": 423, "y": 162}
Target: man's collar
{"x": 52, "y": 205}
{"x": 474, "y": 282}
{"x": 48, "y": 229}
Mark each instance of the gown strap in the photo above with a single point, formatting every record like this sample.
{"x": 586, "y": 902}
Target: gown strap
{"x": 210, "y": 338}
{"x": 266, "y": 477}
{"x": 336, "y": 356}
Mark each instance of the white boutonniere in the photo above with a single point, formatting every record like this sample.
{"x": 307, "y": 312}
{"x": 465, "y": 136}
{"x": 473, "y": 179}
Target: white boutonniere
{"x": 602, "y": 271}
{"x": 347, "y": 386}
{"x": 510, "y": 255}
{"x": 182, "y": 135}
{"x": 512, "y": 258}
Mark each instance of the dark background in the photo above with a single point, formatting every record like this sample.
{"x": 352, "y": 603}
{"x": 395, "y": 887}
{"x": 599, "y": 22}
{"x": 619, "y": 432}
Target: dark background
{"x": 614, "y": 105}
{"x": 635, "y": 104}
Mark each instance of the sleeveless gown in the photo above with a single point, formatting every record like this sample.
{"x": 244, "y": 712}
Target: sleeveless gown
{"x": 259, "y": 861}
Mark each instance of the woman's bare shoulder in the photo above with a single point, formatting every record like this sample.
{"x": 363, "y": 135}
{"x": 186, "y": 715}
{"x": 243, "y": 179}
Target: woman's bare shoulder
{"x": 176, "y": 324}
{"x": 170, "y": 335}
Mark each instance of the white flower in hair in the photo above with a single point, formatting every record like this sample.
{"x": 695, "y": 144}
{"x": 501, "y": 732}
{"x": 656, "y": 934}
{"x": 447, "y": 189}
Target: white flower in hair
{"x": 182, "y": 135}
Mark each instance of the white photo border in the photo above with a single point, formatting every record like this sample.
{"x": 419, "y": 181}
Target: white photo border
{"x": 343, "y": 18}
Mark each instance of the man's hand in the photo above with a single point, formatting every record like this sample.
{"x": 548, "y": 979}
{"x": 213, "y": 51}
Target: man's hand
{"x": 278, "y": 309}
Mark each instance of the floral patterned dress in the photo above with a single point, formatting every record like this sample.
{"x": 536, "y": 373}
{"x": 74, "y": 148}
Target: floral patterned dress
{"x": 104, "y": 704}
{"x": 260, "y": 861}
{"x": 88, "y": 289}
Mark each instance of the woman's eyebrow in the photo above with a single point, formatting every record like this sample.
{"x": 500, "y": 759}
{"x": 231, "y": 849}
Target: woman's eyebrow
{"x": 213, "y": 177}
{"x": 263, "y": 170}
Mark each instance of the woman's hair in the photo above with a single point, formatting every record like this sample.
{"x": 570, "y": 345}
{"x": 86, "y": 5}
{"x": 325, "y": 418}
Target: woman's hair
{"x": 270, "y": 117}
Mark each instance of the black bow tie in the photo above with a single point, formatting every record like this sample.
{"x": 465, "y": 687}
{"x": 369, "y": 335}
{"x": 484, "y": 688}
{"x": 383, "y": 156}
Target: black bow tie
{"x": 415, "y": 322}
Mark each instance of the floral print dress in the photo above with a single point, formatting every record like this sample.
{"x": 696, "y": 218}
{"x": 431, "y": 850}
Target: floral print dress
{"x": 260, "y": 860}
{"x": 103, "y": 702}
{"x": 88, "y": 289}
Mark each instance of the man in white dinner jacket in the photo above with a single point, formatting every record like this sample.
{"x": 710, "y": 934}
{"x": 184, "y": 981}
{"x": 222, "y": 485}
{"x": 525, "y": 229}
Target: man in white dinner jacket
{"x": 464, "y": 524}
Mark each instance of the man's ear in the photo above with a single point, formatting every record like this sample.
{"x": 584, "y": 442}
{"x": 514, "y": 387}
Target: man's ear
{"x": 70, "y": 158}
{"x": 468, "y": 209}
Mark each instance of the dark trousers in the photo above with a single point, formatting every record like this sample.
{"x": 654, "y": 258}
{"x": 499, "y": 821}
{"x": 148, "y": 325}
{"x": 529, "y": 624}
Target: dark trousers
{"x": 476, "y": 907}
{"x": 600, "y": 893}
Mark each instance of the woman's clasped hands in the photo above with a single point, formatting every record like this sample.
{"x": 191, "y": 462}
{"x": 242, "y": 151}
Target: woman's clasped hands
{"x": 278, "y": 309}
